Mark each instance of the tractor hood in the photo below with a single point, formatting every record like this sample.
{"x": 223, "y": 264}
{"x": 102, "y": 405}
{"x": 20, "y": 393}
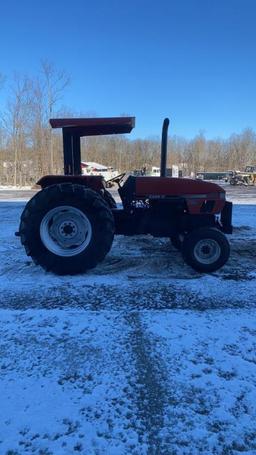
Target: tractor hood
{"x": 170, "y": 186}
{"x": 195, "y": 192}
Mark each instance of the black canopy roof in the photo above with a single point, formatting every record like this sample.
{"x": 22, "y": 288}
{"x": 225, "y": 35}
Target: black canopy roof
{"x": 94, "y": 126}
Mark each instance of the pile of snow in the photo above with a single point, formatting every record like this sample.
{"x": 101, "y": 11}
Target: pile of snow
{"x": 15, "y": 188}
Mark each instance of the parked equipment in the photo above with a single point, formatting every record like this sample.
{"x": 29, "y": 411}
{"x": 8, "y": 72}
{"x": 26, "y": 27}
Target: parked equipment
{"x": 92, "y": 168}
{"x": 68, "y": 226}
{"x": 247, "y": 177}
{"x": 214, "y": 175}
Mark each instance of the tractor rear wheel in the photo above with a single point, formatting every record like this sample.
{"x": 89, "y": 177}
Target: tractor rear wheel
{"x": 205, "y": 249}
{"x": 67, "y": 229}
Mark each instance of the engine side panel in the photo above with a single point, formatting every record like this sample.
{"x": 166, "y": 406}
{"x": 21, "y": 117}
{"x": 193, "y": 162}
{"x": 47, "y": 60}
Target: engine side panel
{"x": 171, "y": 186}
{"x": 196, "y": 193}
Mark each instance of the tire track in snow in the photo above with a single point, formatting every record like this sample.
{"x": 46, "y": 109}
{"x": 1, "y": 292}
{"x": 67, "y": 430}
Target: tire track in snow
{"x": 149, "y": 385}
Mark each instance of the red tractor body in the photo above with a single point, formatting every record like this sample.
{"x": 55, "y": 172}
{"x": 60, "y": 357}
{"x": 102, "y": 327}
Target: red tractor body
{"x": 193, "y": 191}
{"x": 78, "y": 217}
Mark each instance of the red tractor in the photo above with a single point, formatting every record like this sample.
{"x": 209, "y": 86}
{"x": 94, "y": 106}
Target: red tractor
{"x": 68, "y": 226}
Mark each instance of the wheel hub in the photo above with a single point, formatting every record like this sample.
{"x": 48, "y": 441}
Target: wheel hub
{"x": 207, "y": 251}
{"x": 65, "y": 231}
{"x": 68, "y": 229}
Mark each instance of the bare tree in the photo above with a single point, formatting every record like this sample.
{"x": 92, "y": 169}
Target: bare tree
{"x": 16, "y": 120}
{"x": 26, "y": 137}
{"x": 54, "y": 82}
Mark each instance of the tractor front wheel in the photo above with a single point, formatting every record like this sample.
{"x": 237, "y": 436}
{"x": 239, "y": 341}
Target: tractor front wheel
{"x": 205, "y": 249}
{"x": 67, "y": 228}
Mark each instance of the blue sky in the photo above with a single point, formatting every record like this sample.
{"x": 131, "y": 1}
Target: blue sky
{"x": 191, "y": 60}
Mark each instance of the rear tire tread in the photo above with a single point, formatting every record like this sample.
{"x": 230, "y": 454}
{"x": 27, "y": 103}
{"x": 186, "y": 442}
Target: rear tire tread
{"x": 86, "y": 200}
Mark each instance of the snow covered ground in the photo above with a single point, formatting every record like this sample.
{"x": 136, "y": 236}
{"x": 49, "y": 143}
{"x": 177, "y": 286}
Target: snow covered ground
{"x": 141, "y": 355}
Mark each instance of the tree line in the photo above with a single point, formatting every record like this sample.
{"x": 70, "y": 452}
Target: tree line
{"x": 29, "y": 148}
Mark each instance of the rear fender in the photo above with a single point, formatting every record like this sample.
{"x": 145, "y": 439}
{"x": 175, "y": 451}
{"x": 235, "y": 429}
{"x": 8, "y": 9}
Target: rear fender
{"x": 95, "y": 182}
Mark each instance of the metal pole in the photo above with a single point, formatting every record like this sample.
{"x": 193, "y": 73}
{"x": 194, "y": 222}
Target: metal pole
{"x": 72, "y": 152}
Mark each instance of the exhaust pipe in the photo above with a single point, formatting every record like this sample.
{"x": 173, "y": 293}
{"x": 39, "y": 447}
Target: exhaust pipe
{"x": 164, "y": 147}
